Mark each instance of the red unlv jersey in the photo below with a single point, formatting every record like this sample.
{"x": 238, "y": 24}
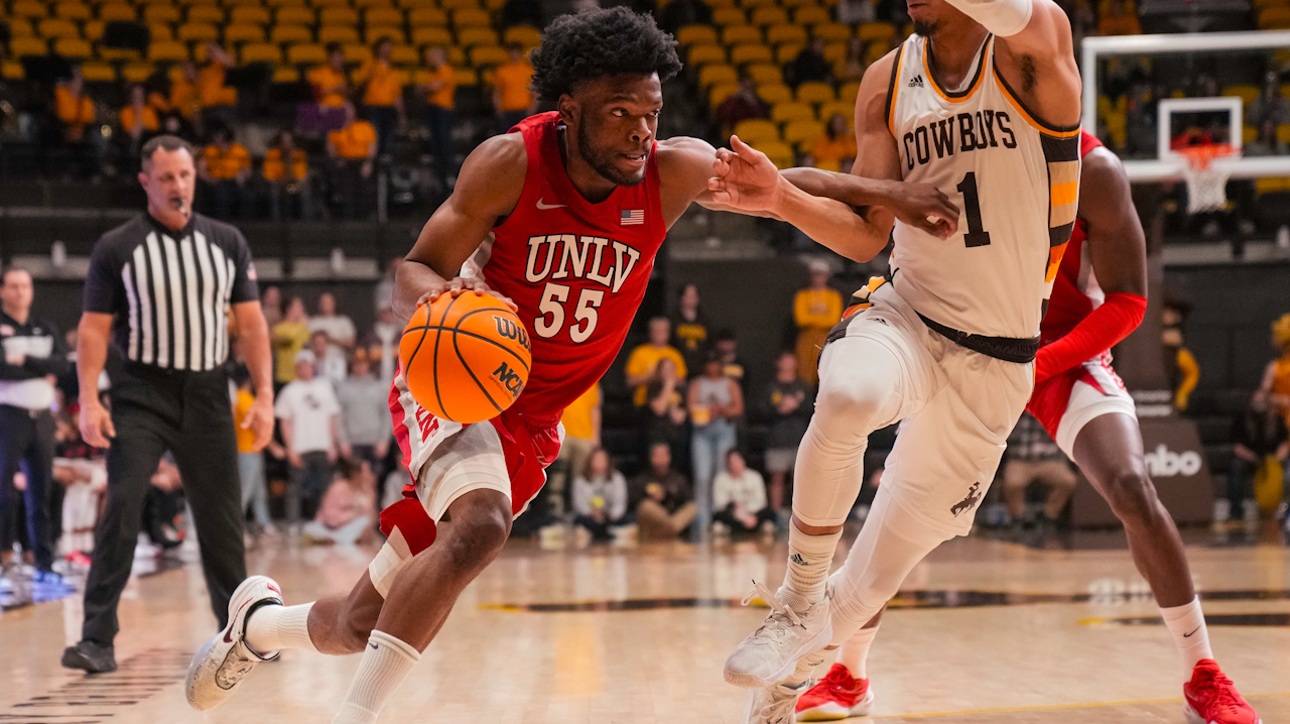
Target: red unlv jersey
{"x": 576, "y": 270}
{"x": 1075, "y": 290}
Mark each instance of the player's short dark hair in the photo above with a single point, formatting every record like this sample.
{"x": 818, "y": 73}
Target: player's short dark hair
{"x": 166, "y": 142}
{"x": 596, "y": 43}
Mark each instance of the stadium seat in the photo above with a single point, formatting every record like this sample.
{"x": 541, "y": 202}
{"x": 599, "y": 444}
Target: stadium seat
{"x": 291, "y": 34}
{"x": 415, "y": 4}
{"x": 738, "y": 34}
{"x": 780, "y": 153}
{"x": 373, "y": 34}
{"x": 769, "y": 16}
{"x": 466, "y": 76}
{"x": 25, "y": 47}
{"x": 756, "y": 3}
{"x": 718, "y": 93}
{"x": 117, "y": 11}
{"x": 796, "y": 3}
{"x": 1247, "y": 93}
{"x": 693, "y": 34}
{"x": 160, "y": 31}
{"x": 286, "y": 74}
{"x": 307, "y": 53}
{"x": 459, "y": 4}
{"x": 876, "y": 31}
{"x": 1274, "y": 18}
{"x": 137, "y": 72}
{"x": 319, "y": 4}
{"x": 835, "y": 51}
{"x": 1283, "y": 133}
{"x": 53, "y": 28}
{"x": 773, "y": 93}
{"x": 356, "y": 52}
{"x": 828, "y": 109}
{"x": 92, "y": 30}
{"x": 422, "y": 17}
{"x": 527, "y": 36}
{"x": 754, "y": 130}
{"x": 365, "y": 4}
{"x": 405, "y": 55}
{"x": 803, "y": 132}
{"x": 729, "y": 16}
{"x": 73, "y": 11}
{"x": 205, "y": 14}
{"x": 751, "y": 53}
{"x": 161, "y": 14}
{"x": 20, "y": 28}
{"x": 765, "y": 73}
{"x": 286, "y": 3}
{"x": 260, "y": 53}
{"x": 167, "y": 51}
{"x": 383, "y": 16}
{"x": 337, "y": 34}
{"x": 28, "y": 9}
{"x": 198, "y": 32}
{"x": 1249, "y": 133}
{"x": 785, "y": 112}
{"x": 338, "y": 16}
{"x": 73, "y": 48}
{"x": 431, "y": 36}
{"x": 470, "y": 37}
{"x": 243, "y": 34}
{"x": 811, "y": 15}
{"x": 815, "y": 92}
{"x": 234, "y": 3}
{"x": 786, "y": 52}
{"x": 701, "y": 55}
{"x": 848, "y": 92}
{"x": 779, "y": 34}
{"x": 296, "y": 16}
{"x": 482, "y": 55}
{"x": 1285, "y": 90}
{"x": 710, "y": 75}
{"x": 249, "y": 15}
{"x": 832, "y": 32}
{"x": 1270, "y": 184}
{"x": 95, "y": 72}
{"x": 12, "y": 70}
{"x": 718, "y": 3}
{"x": 117, "y": 54}
{"x": 471, "y": 18}
{"x": 875, "y": 52}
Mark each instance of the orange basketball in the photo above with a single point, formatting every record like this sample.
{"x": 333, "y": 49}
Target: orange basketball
{"x": 465, "y": 358}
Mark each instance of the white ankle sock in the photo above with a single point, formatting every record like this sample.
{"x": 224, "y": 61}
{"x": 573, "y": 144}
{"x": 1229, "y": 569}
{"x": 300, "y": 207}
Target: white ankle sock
{"x": 272, "y": 627}
{"x": 855, "y": 652}
{"x": 386, "y": 660}
{"x": 1187, "y": 624}
{"x": 809, "y": 559}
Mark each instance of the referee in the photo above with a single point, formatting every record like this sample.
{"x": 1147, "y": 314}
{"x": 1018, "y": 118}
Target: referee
{"x": 162, "y": 287}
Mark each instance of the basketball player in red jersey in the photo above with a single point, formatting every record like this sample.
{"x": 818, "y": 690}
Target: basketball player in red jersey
{"x": 576, "y": 203}
{"x": 1098, "y": 298}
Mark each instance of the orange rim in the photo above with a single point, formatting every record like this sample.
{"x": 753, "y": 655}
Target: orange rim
{"x": 1199, "y": 157}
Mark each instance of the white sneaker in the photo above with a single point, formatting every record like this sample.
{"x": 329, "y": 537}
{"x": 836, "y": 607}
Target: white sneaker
{"x": 225, "y": 660}
{"x": 777, "y": 704}
{"x": 794, "y": 628}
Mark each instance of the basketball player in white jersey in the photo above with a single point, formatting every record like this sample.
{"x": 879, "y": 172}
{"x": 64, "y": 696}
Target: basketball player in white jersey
{"x": 983, "y": 103}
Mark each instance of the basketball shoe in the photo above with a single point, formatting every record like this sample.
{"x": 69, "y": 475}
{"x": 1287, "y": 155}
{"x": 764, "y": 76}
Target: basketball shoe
{"x": 794, "y": 628}
{"x": 776, "y": 704}
{"x": 1212, "y": 698}
{"x": 838, "y": 696}
{"x": 225, "y": 660}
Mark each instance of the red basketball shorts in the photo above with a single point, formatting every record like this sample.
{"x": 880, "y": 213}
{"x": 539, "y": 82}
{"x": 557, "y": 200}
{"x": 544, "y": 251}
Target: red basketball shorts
{"x": 1064, "y": 404}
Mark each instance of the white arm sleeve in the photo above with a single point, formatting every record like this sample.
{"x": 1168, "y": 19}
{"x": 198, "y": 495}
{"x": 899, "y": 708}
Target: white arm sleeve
{"x": 1001, "y": 17}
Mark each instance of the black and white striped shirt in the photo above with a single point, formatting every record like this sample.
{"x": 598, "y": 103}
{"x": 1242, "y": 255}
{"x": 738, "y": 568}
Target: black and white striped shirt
{"x": 170, "y": 291}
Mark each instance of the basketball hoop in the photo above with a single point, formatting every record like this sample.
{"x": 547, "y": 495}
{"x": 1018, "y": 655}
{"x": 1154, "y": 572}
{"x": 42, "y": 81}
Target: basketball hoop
{"x": 1206, "y": 183}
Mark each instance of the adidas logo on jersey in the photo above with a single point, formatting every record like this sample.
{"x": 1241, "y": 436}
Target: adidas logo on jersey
{"x": 916, "y": 82}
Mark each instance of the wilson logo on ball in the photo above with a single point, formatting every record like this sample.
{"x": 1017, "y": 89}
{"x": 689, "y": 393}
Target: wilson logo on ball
{"x": 508, "y": 329}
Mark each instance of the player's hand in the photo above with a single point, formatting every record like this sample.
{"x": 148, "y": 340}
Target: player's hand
{"x": 259, "y": 420}
{"x": 744, "y": 178}
{"x": 295, "y": 461}
{"x": 924, "y": 207}
{"x": 460, "y": 285}
{"x": 96, "y": 424}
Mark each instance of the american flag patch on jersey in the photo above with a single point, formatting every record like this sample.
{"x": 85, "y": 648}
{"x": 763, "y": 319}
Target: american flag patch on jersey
{"x": 631, "y": 217}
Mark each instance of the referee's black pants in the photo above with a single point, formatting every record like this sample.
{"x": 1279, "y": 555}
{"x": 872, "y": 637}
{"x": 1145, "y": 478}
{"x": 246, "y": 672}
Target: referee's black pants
{"x": 27, "y": 436}
{"x": 189, "y": 414}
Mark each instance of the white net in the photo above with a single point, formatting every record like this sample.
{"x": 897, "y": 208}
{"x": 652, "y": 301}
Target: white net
{"x": 1206, "y": 180}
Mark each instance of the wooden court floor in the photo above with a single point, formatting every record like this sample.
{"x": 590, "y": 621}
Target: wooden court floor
{"x": 985, "y": 632}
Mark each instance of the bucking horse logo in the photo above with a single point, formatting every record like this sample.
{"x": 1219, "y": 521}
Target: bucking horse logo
{"x": 969, "y": 502}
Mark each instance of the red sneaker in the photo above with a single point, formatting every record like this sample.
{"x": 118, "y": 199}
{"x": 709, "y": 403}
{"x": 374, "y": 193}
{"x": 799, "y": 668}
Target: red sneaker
{"x": 837, "y": 696}
{"x": 1212, "y": 698}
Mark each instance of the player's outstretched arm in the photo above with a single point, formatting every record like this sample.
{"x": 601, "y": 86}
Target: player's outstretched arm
{"x": 488, "y": 188}
{"x": 920, "y": 205}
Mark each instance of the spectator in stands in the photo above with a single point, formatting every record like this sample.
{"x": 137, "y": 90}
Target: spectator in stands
{"x": 440, "y": 89}
{"x": 183, "y": 99}
{"x": 218, "y": 101}
{"x": 661, "y": 497}
{"x": 789, "y": 400}
{"x": 138, "y": 118}
{"x": 1032, "y": 456}
{"x": 726, "y": 345}
{"x": 307, "y": 413}
{"x": 1276, "y": 377}
{"x": 387, "y": 331}
{"x": 851, "y": 68}
{"x": 73, "y": 107}
{"x": 271, "y": 303}
{"x": 226, "y": 167}
{"x": 339, "y": 329}
{"x": 522, "y": 12}
{"x": 810, "y": 65}
{"x": 1259, "y": 437}
{"x": 689, "y": 328}
{"x": 716, "y": 404}
{"x": 599, "y": 496}
{"x": 382, "y": 85}
{"x": 289, "y": 337}
{"x": 1265, "y": 142}
{"x": 664, "y": 414}
{"x": 331, "y": 89}
{"x": 742, "y": 105}
{"x": 855, "y": 12}
{"x": 1180, "y": 363}
{"x": 1270, "y": 105}
{"x": 1118, "y": 18}
{"x": 250, "y": 462}
{"x": 345, "y": 516}
{"x": 512, "y": 99}
{"x": 365, "y": 413}
{"x": 327, "y": 366}
{"x": 680, "y": 13}
{"x": 286, "y": 172}
{"x": 815, "y": 310}
{"x": 582, "y": 420}
{"x": 739, "y": 498}
{"x": 352, "y": 149}
{"x": 836, "y": 149}
{"x": 642, "y": 363}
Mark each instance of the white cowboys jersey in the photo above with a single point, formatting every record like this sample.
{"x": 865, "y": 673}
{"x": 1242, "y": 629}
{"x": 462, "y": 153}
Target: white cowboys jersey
{"x": 1014, "y": 178}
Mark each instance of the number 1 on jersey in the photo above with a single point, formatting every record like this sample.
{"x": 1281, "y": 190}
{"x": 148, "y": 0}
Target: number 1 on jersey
{"x": 975, "y": 236}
